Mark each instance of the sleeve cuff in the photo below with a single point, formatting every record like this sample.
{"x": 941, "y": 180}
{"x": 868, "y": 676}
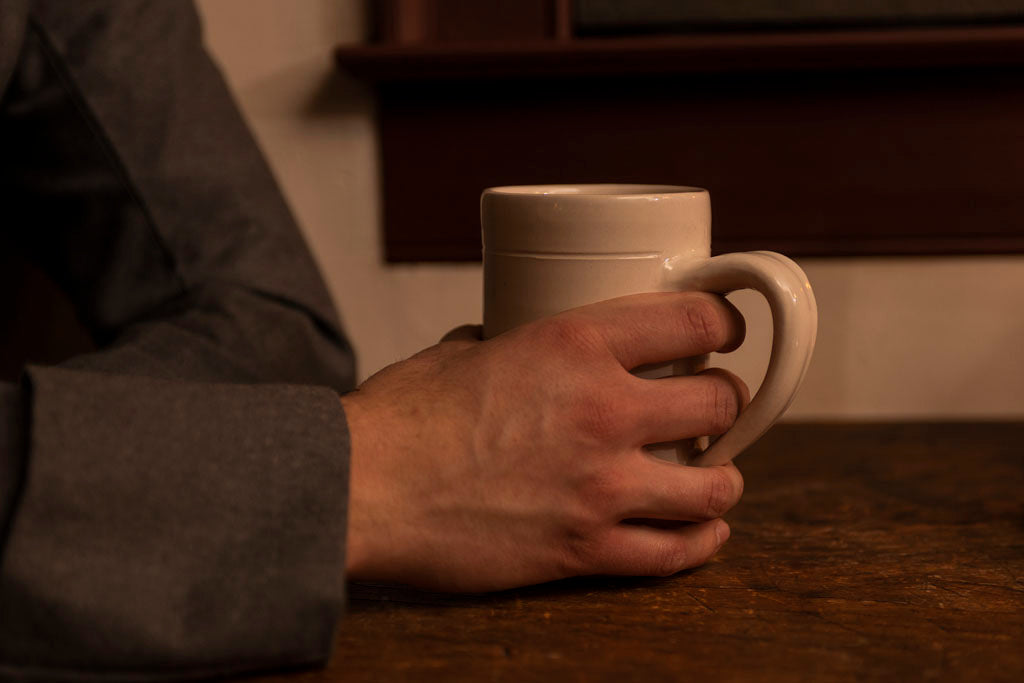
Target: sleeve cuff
{"x": 174, "y": 529}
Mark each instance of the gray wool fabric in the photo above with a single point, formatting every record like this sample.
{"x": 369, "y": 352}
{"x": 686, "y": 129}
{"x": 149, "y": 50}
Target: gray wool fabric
{"x": 172, "y": 505}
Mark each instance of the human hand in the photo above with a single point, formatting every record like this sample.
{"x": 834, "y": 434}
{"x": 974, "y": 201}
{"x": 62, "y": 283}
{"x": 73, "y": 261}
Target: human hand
{"x": 487, "y": 465}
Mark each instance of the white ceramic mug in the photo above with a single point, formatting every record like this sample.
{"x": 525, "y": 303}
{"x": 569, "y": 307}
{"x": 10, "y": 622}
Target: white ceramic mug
{"x": 549, "y": 248}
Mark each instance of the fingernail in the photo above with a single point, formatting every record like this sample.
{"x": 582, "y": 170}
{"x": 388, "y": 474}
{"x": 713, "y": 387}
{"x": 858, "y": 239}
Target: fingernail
{"x": 722, "y": 532}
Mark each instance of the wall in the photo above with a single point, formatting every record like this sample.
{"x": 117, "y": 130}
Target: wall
{"x": 899, "y": 338}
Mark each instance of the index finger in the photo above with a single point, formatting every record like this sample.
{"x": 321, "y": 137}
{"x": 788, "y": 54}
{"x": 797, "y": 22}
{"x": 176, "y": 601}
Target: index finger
{"x": 658, "y": 327}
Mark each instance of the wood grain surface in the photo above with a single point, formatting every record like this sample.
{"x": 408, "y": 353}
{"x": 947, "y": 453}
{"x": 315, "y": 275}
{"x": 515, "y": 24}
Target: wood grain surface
{"x": 853, "y": 142}
{"x": 859, "y": 552}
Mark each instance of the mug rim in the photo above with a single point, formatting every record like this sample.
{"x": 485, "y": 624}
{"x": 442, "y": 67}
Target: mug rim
{"x": 616, "y": 190}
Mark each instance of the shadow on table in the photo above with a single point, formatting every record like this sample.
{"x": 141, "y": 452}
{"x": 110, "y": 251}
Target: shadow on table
{"x": 365, "y": 596}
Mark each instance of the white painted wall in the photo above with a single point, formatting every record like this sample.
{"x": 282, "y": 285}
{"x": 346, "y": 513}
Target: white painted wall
{"x": 899, "y": 338}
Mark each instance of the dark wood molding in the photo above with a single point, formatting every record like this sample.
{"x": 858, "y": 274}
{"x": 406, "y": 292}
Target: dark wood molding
{"x": 842, "y": 143}
{"x": 416, "y": 23}
{"x": 895, "y": 48}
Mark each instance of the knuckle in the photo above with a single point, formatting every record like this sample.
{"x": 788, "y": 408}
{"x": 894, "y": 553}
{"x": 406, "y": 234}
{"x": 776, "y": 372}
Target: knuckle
{"x": 575, "y": 557}
{"x": 602, "y": 495}
{"x": 594, "y": 509}
{"x": 721, "y": 406}
{"x": 670, "y": 559}
{"x": 705, "y": 323}
{"x": 719, "y": 493}
{"x": 580, "y": 553}
{"x": 572, "y": 333}
{"x": 602, "y": 417}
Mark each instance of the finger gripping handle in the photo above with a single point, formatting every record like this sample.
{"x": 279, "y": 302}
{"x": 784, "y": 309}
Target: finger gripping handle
{"x": 795, "y": 322}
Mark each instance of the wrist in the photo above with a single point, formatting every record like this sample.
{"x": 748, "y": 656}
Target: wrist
{"x": 362, "y": 444}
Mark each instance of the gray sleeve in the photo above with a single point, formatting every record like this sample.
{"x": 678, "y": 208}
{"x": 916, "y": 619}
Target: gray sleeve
{"x": 173, "y": 504}
{"x": 171, "y": 529}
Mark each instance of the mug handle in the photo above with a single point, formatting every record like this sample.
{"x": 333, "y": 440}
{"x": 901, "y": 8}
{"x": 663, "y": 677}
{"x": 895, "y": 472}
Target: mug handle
{"x": 795, "y": 323}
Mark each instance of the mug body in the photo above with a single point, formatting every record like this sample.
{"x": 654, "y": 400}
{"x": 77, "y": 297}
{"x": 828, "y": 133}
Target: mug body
{"x": 548, "y": 248}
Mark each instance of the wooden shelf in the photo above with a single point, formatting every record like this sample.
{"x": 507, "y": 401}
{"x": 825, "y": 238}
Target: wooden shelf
{"x": 844, "y": 143}
{"x": 902, "y": 48}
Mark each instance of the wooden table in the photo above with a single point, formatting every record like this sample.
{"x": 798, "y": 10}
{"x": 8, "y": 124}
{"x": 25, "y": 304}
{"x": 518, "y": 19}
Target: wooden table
{"x": 859, "y": 552}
